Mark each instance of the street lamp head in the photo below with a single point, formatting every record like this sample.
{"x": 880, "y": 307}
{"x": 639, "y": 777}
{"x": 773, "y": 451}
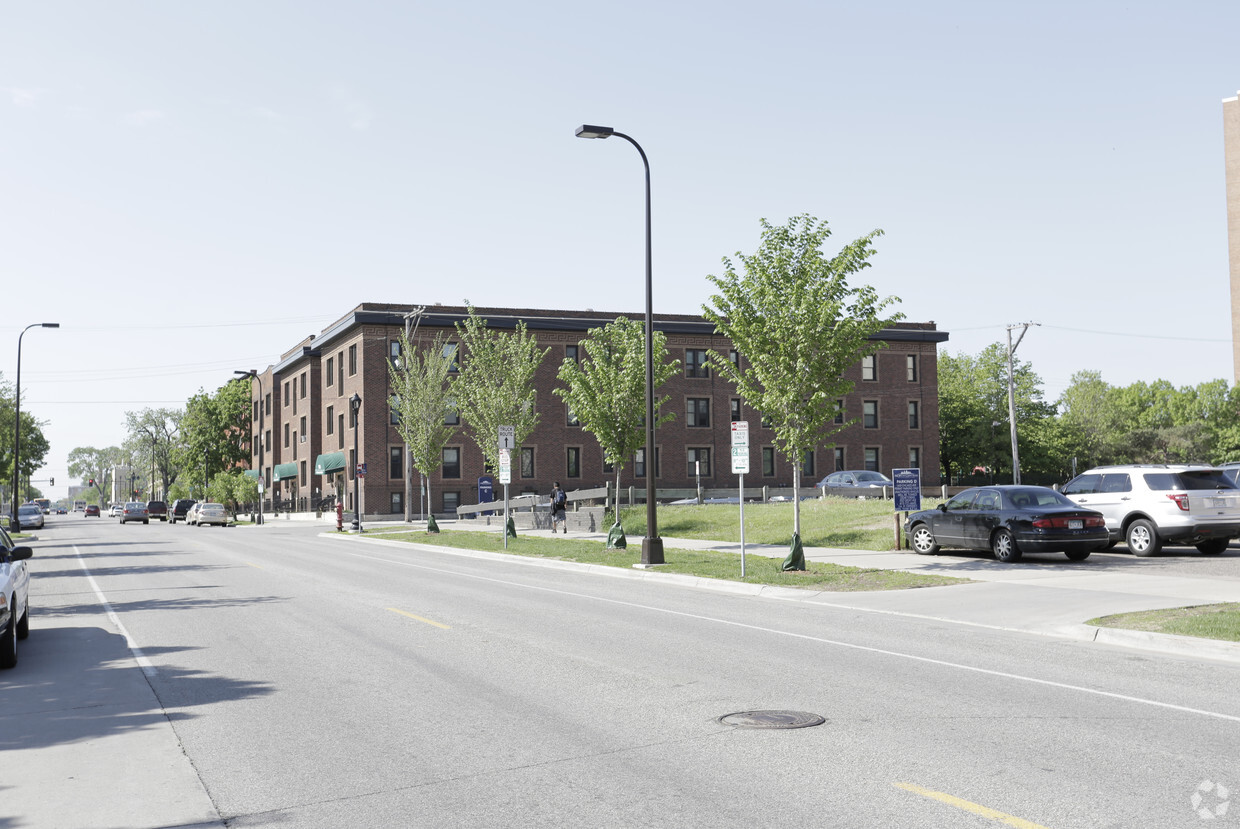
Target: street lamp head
{"x": 591, "y": 131}
{"x": 355, "y": 402}
{"x": 50, "y": 324}
{"x": 250, "y": 373}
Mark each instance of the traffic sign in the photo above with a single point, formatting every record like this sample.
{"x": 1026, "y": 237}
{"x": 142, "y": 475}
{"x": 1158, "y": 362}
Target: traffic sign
{"x": 740, "y": 460}
{"x": 740, "y": 433}
{"x": 505, "y": 466}
{"x": 907, "y": 489}
{"x": 508, "y": 437}
{"x": 361, "y": 470}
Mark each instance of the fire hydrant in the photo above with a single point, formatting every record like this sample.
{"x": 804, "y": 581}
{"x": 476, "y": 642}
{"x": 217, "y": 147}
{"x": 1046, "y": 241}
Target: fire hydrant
{"x": 339, "y": 516}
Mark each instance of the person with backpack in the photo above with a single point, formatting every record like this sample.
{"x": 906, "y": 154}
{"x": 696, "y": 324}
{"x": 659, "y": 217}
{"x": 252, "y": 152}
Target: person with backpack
{"x": 559, "y": 500}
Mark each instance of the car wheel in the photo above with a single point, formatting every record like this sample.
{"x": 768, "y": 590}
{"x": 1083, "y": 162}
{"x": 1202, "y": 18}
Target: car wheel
{"x": 146, "y": 521}
{"x": 1077, "y": 555}
{"x": 923, "y": 541}
{"x": 1142, "y": 538}
{"x": 1213, "y": 546}
{"x": 8, "y": 643}
{"x": 23, "y": 627}
{"x": 1004, "y": 546}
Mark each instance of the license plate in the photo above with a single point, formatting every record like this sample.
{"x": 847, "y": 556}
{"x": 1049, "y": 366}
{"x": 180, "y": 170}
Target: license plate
{"x": 1076, "y": 523}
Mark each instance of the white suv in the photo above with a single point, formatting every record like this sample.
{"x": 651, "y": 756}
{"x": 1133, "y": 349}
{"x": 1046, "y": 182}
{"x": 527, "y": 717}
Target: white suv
{"x": 1148, "y": 505}
{"x": 14, "y": 598}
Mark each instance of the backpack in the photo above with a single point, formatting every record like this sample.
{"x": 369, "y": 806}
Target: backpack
{"x": 559, "y": 499}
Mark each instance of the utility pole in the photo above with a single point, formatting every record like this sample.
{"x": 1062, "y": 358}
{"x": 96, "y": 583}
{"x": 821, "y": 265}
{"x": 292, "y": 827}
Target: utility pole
{"x": 412, "y": 320}
{"x": 1024, "y": 327}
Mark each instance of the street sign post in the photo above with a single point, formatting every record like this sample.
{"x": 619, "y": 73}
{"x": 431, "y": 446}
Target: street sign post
{"x": 505, "y": 477}
{"x": 740, "y": 465}
{"x": 907, "y": 495}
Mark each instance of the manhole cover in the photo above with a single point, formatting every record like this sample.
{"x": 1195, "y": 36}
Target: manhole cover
{"x": 772, "y": 719}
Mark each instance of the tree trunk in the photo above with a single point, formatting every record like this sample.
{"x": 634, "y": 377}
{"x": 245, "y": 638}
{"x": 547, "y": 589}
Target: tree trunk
{"x": 796, "y": 494}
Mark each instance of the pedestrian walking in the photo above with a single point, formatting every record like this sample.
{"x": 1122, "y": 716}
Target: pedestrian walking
{"x": 559, "y": 500}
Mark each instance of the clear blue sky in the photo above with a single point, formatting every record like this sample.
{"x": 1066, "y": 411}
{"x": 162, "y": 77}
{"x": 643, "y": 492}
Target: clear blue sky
{"x": 190, "y": 188}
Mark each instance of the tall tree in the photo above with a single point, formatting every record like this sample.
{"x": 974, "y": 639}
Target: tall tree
{"x": 34, "y": 444}
{"x": 495, "y": 386}
{"x": 87, "y": 463}
{"x": 606, "y": 392}
{"x": 151, "y": 439}
{"x": 422, "y": 400}
{"x": 215, "y": 431}
{"x": 799, "y": 327}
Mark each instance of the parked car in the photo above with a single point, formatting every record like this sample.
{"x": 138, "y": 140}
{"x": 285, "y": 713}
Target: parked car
{"x": 89, "y": 510}
{"x": 179, "y": 508}
{"x": 1009, "y": 520}
{"x": 135, "y": 511}
{"x": 191, "y": 515}
{"x": 209, "y": 513}
{"x": 856, "y": 478}
{"x": 30, "y": 517}
{"x": 116, "y": 510}
{"x": 15, "y": 590}
{"x": 157, "y": 509}
{"x": 1149, "y": 505}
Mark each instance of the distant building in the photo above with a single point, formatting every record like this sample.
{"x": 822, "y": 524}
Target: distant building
{"x": 301, "y": 415}
{"x": 1231, "y": 153}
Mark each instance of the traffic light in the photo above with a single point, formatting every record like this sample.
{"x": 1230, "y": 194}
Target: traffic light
{"x": 51, "y": 482}
{"x": 92, "y": 481}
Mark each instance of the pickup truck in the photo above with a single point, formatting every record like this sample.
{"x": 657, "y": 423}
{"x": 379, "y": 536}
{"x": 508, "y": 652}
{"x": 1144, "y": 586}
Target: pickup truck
{"x": 14, "y": 598}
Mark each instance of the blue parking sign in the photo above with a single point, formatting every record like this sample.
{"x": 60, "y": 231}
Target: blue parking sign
{"x": 907, "y": 489}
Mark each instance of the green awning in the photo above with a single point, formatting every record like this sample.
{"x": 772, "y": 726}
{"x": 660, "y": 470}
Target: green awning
{"x": 253, "y": 473}
{"x": 284, "y": 471}
{"x": 329, "y": 462}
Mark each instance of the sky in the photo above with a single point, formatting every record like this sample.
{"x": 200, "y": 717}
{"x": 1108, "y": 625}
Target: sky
{"x": 192, "y": 188}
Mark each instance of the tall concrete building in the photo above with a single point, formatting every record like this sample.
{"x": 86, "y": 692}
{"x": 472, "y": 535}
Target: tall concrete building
{"x": 1231, "y": 150}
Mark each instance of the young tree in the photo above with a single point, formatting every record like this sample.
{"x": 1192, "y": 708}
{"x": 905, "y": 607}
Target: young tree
{"x": 606, "y": 392}
{"x": 87, "y": 463}
{"x": 422, "y": 400}
{"x": 34, "y": 445}
{"x": 215, "y": 431}
{"x": 799, "y": 327}
{"x": 151, "y": 440}
{"x": 495, "y": 386}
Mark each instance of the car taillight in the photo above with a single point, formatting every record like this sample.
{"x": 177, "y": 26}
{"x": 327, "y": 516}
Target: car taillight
{"x": 1180, "y": 498}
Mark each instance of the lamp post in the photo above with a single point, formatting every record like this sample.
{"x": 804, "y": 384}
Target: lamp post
{"x": 652, "y": 544}
{"x": 262, "y": 476}
{"x": 14, "y": 522}
{"x": 355, "y": 405}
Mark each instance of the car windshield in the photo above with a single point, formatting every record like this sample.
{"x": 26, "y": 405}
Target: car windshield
{"x": 872, "y": 476}
{"x": 1189, "y": 480}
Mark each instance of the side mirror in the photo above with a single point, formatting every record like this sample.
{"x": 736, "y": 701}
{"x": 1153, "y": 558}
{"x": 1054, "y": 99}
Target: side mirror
{"x": 942, "y": 507}
{"x": 21, "y": 553}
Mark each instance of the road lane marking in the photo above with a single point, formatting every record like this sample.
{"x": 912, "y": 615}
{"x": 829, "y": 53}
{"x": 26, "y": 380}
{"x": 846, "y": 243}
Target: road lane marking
{"x": 138, "y": 655}
{"x": 968, "y": 806}
{"x": 419, "y": 618}
{"x": 255, "y": 566}
{"x": 821, "y": 640}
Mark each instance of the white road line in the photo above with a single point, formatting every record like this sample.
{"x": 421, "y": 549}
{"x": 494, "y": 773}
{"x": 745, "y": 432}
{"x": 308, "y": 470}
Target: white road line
{"x": 138, "y": 655}
{"x": 821, "y": 640}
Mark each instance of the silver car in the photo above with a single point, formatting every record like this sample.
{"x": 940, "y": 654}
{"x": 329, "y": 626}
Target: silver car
{"x": 30, "y": 517}
{"x": 210, "y": 513}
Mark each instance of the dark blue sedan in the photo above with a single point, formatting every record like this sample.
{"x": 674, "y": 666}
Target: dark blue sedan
{"x": 1008, "y": 521}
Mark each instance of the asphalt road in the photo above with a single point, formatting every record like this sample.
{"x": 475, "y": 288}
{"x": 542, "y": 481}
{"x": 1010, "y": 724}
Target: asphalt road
{"x": 270, "y": 677}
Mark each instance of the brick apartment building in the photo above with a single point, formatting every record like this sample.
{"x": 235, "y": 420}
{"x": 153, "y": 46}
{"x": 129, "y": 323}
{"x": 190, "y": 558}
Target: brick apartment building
{"x": 301, "y": 413}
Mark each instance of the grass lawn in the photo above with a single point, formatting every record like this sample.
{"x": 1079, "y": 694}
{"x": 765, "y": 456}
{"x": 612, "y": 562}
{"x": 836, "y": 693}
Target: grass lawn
{"x": 1209, "y": 621}
{"x": 706, "y": 564}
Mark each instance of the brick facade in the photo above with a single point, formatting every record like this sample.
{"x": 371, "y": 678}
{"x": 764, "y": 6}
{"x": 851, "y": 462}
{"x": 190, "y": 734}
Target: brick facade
{"x": 895, "y": 401}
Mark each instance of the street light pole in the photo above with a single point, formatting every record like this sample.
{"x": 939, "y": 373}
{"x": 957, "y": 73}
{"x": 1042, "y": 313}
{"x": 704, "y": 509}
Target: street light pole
{"x": 262, "y": 475}
{"x": 355, "y": 403}
{"x": 652, "y": 544}
{"x": 14, "y": 521}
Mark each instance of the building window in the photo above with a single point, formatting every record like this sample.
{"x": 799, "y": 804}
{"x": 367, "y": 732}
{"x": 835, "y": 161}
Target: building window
{"x": 765, "y": 422}
{"x": 286, "y": 394}
{"x": 869, "y": 414}
{"x": 914, "y": 417}
{"x": 699, "y": 462}
{"x": 869, "y": 368}
{"x": 255, "y": 416}
{"x": 303, "y": 430}
{"x": 639, "y": 463}
{"x": 572, "y": 418}
{"x": 736, "y": 409}
{"x": 527, "y": 461}
{"x": 807, "y": 464}
{"x": 394, "y": 351}
{"x": 451, "y": 500}
{"x": 340, "y": 430}
{"x": 695, "y": 363}
{"x": 303, "y": 386}
{"x": 398, "y": 503}
{"x": 267, "y": 403}
{"x": 340, "y": 373}
{"x": 331, "y": 371}
{"x": 394, "y": 410}
{"x": 286, "y": 430}
{"x": 573, "y": 462}
{"x": 734, "y": 357}
{"x": 451, "y": 462}
{"x": 871, "y": 459}
{"x": 698, "y": 412}
{"x": 839, "y": 459}
{"x": 839, "y": 411}
{"x": 331, "y": 419}
{"x": 571, "y": 353}
{"x": 914, "y": 457}
{"x": 768, "y": 461}
{"x": 267, "y": 439}
{"x": 450, "y": 352}
{"x": 452, "y": 417}
{"x": 254, "y": 444}
{"x": 353, "y": 359}
{"x": 396, "y": 463}
{"x": 911, "y": 362}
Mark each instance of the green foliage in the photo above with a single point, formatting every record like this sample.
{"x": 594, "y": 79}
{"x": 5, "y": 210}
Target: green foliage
{"x": 87, "y": 462}
{"x": 606, "y": 391}
{"x": 495, "y": 386}
{"x": 232, "y": 489}
{"x": 34, "y": 444}
{"x": 422, "y": 399}
{"x": 799, "y": 327}
{"x": 215, "y": 432}
{"x": 150, "y": 441}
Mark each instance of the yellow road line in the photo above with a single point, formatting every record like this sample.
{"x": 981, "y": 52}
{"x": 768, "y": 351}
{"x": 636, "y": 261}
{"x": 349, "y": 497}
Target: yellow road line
{"x": 419, "y": 618}
{"x": 255, "y": 566}
{"x": 967, "y": 806}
